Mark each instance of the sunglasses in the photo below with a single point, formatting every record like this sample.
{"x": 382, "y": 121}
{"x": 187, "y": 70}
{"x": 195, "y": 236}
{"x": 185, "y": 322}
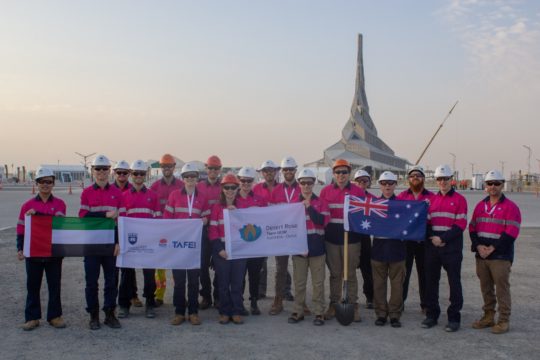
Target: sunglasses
{"x": 362, "y": 180}
{"x": 139, "y": 173}
{"x": 387, "y": 183}
{"x": 45, "y": 182}
{"x": 341, "y": 172}
{"x": 167, "y": 166}
{"x": 418, "y": 176}
{"x": 443, "y": 179}
{"x": 267, "y": 170}
{"x": 288, "y": 169}
{"x": 230, "y": 187}
{"x": 493, "y": 183}
{"x": 213, "y": 168}
{"x": 121, "y": 172}
{"x": 102, "y": 168}
{"x": 190, "y": 176}
{"x": 306, "y": 183}
{"x": 246, "y": 181}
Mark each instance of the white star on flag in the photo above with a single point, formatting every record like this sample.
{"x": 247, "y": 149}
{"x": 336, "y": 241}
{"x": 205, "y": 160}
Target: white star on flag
{"x": 397, "y": 216}
{"x": 366, "y": 225}
{"x": 408, "y": 206}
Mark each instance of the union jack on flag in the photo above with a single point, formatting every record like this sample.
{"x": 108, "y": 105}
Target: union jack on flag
{"x": 386, "y": 218}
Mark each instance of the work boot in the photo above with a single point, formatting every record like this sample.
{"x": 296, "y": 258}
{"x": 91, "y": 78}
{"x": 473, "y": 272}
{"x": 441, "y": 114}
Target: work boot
{"x": 194, "y": 319}
{"x": 149, "y": 312}
{"x": 501, "y": 327}
{"x": 237, "y": 319}
{"x": 94, "y": 320}
{"x": 277, "y": 306}
{"x": 136, "y": 302}
{"x": 254, "y": 308}
{"x": 488, "y": 320}
{"x": 330, "y": 312}
{"x": 111, "y": 320}
{"x": 57, "y": 323}
{"x": 30, "y": 325}
{"x": 224, "y": 319}
{"x": 357, "y": 313}
{"x": 123, "y": 312}
{"x": 178, "y": 319}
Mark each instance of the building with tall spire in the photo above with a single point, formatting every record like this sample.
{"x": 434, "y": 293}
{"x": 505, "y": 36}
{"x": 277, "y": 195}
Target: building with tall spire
{"x": 360, "y": 143}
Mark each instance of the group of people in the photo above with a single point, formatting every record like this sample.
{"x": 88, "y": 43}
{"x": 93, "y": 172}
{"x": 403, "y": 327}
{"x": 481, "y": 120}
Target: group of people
{"x": 493, "y": 229}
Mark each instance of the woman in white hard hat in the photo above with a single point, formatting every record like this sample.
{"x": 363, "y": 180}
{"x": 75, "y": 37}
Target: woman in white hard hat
{"x": 388, "y": 263}
{"x": 42, "y": 204}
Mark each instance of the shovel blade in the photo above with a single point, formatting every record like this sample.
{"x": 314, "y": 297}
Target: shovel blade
{"x": 344, "y": 313}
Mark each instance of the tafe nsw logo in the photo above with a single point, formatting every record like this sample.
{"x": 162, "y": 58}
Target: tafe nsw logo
{"x": 132, "y": 238}
{"x": 250, "y": 232}
{"x": 184, "y": 244}
{"x": 163, "y": 243}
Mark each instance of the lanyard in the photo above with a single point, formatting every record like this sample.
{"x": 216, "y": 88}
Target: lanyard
{"x": 289, "y": 198}
{"x": 190, "y": 203}
{"x": 490, "y": 212}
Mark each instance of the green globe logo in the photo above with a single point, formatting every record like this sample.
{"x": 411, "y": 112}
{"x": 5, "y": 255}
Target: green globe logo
{"x": 250, "y": 232}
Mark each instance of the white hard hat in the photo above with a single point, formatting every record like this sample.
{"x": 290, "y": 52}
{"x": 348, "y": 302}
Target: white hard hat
{"x": 388, "y": 176}
{"x": 189, "y": 167}
{"x": 101, "y": 160}
{"x": 418, "y": 168}
{"x": 44, "y": 172}
{"x": 139, "y": 165}
{"x": 288, "y": 162}
{"x": 443, "y": 171}
{"x": 122, "y": 164}
{"x": 494, "y": 175}
{"x": 268, "y": 164}
{"x": 248, "y": 172}
{"x": 361, "y": 173}
{"x": 306, "y": 173}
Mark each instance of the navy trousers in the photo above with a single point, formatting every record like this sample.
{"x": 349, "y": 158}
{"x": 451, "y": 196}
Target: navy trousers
{"x": 34, "y": 275}
{"x": 451, "y": 263}
{"x": 206, "y": 261}
{"x": 230, "y": 281}
{"x": 179, "y": 294}
{"x": 415, "y": 251}
{"x": 92, "y": 267}
{"x": 128, "y": 287}
{"x": 253, "y": 270}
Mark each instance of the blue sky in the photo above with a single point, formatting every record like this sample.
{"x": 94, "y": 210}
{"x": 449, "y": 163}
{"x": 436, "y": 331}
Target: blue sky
{"x": 257, "y": 80}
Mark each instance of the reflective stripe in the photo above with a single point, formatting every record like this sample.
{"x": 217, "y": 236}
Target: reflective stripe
{"x": 59, "y": 213}
{"x": 489, "y": 235}
{"x": 186, "y": 210}
{"x": 20, "y": 222}
{"x": 158, "y": 213}
{"x": 490, "y": 220}
{"x": 122, "y": 210}
{"x": 461, "y": 216}
{"x": 440, "y": 228}
{"x": 513, "y": 223}
{"x": 444, "y": 214}
{"x": 335, "y": 206}
{"x": 315, "y": 231}
{"x": 140, "y": 211}
{"x": 213, "y": 223}
{"x": 212, "y": 202}
{"x": 102, "y": 208}
{"x": 169, "y": 208}
{"x": 205, "y": 213}
{"x": 336, "y": 221}
{"x": 85, "y": 207}
{"x": 325, "y": 213}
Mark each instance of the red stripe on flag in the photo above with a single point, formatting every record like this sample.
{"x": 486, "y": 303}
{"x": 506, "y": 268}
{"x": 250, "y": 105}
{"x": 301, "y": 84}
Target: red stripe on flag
{"x": 40, "y": 243}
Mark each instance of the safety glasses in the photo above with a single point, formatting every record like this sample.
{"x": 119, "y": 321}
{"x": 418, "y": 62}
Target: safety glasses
{"x": 45, "y": 182}
{"x": 306, "y": 183}
{"x": 493, "y": 183}
{"x": 341, "y": 172}
{"x": 139, "y": 173}
{"x": 121, "y": 173}
{"x": 230, "y": 187}
{"x": 246, "y": 181}
{"x": 387, "y": 183}
{"x": 102, "y": 168}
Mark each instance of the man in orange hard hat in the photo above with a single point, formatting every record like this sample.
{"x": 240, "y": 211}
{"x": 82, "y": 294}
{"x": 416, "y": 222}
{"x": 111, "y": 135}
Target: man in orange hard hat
{"x": 163, "y": 187}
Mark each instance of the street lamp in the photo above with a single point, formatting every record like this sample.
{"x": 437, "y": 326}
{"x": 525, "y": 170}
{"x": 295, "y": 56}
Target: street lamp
{"x": 502, "y": 166}
{"x": 85, "y": 162}
{"x": 472, "y": 169}
{"x": 453, "y": 162}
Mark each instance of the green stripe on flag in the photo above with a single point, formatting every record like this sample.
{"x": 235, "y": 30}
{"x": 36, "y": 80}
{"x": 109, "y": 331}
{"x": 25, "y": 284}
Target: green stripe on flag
{"x": 73, "y": 223}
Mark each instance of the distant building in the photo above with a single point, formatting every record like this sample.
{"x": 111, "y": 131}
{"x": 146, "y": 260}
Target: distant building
{"x": 360, "y": 144}
{"x": 67, "y": 173}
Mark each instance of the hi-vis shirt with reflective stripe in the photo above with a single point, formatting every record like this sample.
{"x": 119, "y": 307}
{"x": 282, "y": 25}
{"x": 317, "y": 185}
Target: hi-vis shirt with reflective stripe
{"x": 96, "y": 199}
{"x": 249, "y": 201}
{"x": 285, "y": 194}
{"x": 446, "y": 211}
{"x": 212, "y": 192}
{"x": 180, "y": 204}
{"x": 216, "y": 230}
{"x": 489, "y": 222}
{"x": 163, "y": 190}
{"x": 140, "y": 204}
{"x": 53, "y": 206}
{"x": 334, "y": 197}
{"x": 320, "y": 207}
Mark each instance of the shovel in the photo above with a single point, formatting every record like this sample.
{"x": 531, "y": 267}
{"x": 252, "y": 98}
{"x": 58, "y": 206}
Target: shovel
{"x": 345, "y": 310}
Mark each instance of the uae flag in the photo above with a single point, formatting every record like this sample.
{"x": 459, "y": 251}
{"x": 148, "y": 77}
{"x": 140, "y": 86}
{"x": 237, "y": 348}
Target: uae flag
{"x": 46, "y": 236}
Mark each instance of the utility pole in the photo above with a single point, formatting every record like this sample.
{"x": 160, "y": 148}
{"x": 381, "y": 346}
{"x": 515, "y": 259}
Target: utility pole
{"x": 453, "y": 163}
{"x": 85, "y": 163}
{"x": 528, "y": 160}
{"x": 502, "y": 166}
{"x": 472, "y": 169}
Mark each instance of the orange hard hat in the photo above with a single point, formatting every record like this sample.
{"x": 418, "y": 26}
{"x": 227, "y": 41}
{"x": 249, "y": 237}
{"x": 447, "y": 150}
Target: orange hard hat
{"x": 341, "y": 162}
{"x": 167, "y": 159}
{"x": 213, "y": 160}
{"x": 230, "y": 178}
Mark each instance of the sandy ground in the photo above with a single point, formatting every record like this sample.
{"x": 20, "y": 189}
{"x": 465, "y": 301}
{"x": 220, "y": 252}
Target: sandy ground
{"x": 265, "y": 336}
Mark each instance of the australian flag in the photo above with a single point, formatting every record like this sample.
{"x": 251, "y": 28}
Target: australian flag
{"x": 380, "y": 217}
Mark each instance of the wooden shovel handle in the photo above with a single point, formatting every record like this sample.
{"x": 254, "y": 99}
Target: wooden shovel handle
{"x": 345, "y": 255}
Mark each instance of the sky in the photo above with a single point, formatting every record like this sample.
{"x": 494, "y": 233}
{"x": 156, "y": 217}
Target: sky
{"x": 257, "y": 80}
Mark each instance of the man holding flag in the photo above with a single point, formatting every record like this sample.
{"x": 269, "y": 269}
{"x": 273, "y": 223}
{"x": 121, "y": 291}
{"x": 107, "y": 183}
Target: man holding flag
{"x": 43, "y": 204}
{"x": 101, "y": 200}
{"x": 334, "y": 196}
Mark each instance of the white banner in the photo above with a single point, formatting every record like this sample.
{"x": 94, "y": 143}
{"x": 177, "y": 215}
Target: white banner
{"x": 159, "y": 243}
{"x": 265, "y": 231}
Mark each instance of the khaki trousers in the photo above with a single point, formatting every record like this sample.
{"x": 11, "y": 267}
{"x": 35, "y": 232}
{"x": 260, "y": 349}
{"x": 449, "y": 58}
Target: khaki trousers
{"x": 316, "y": 265}
{"x": 334, "y": 260}
{"x": 494, "y": 278}
{"x": 382, "y": 271}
